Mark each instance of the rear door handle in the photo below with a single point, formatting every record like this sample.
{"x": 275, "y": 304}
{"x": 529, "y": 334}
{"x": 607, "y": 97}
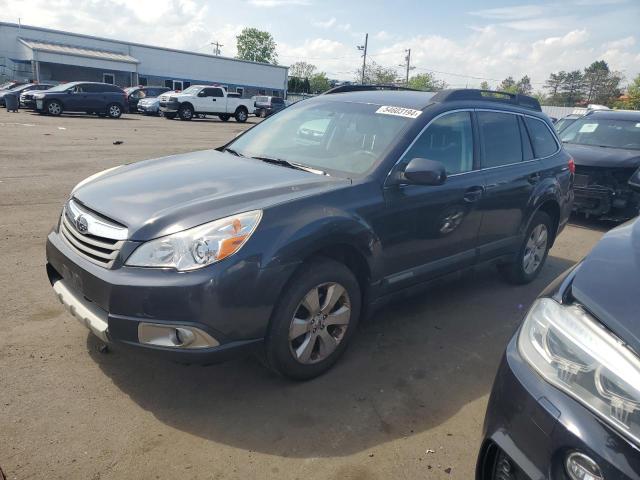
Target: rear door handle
{"x": 473, "y": 194}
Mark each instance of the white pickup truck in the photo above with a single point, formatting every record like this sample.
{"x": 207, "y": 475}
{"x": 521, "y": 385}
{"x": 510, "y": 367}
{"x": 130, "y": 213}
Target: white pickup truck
{"x": 205, "y": 100}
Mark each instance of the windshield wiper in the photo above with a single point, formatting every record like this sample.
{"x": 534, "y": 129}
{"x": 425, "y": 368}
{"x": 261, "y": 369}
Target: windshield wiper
{"x": 232, "y": 151}
{"x": 286, "y": 163}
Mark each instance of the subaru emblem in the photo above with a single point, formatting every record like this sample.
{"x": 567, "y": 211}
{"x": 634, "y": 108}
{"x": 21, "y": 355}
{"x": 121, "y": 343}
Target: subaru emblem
{"x": 81, "y": 224}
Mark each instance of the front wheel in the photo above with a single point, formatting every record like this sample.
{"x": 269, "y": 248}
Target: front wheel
{"x": 185, "y": 112}
{"x": 314, "y": 320}
{"x": 241, "y": 115}
{"x": 54, "y": 108}
{"x": 114, "y": 110}
{"x": 533, "y": 251}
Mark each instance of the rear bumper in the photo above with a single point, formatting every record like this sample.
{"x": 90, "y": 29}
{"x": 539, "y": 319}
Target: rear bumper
{"x": 605, "y": 202}
{"x": 534, "y": 426}
{"x": 231, "y": 301}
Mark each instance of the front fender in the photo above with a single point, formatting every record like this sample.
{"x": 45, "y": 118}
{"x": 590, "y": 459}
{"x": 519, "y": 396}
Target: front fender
{"x": 297, "y": 235}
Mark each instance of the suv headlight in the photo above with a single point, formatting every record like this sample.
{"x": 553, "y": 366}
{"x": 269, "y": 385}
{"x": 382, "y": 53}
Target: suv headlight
{"x": 575, "y": 353}
{"x": 197, "y": 247}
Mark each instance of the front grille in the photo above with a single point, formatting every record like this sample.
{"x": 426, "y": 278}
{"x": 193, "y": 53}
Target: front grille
{"x": 98, "y": 249}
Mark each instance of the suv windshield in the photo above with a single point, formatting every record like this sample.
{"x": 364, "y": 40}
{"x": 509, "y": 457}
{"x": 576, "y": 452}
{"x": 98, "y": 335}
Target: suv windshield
{"x": 331, "y": 136}
{"x": 603, "y": 132}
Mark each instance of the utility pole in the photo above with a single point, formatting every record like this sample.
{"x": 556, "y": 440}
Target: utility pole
{"x": 217, "y": 45}
{"x": 408, "y": 66}
{"x": 363, "y": 48}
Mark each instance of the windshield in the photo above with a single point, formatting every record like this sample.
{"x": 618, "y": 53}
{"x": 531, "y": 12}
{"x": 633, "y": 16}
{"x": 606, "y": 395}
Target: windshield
{"x": 563, "y": 123}
{"x": 62, "y": 87}
{"x": 603, "y": 132}
{"x": 191, "y": 90}
{"x": 331, "y": 136}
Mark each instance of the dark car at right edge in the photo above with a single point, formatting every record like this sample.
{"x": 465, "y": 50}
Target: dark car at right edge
{"x": 566, "y": 400}
{"x": 605, "y": 146}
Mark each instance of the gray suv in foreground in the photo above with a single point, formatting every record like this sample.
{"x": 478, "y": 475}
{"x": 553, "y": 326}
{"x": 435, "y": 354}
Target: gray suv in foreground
{"x": 279, "y": 241}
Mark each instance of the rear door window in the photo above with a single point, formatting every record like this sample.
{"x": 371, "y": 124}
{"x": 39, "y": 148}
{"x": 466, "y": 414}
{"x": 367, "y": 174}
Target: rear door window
{"x": 449, "y": 140}
{"x": 544, "y": 143}
{"x": 501, "y": 141}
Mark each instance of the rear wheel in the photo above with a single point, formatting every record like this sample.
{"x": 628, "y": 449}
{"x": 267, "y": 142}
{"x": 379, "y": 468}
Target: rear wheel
{"x": 224, "y": 117}
{"x": 314, "y": 320}
{"x": 533, "y": 251}
{"x": 262, "y": 113}
{"x": 241, "y": 115}
{"x": 114, "y": 110}
{"x": 54, "y": 107}
{"x": 185, "y": 112}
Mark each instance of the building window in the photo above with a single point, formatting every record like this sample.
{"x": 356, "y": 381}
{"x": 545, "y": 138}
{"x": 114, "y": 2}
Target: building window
{"x": 168, "y": 83}
{"x": 262, "y": 92}
{"x": 186, "y": 84}
{"x": 276, "y": 93}
{"x": 109, "y": 78}
{"x": 240, "y": 91}
{"x": 143, "y": 81}
{"x": 177, "y": 85}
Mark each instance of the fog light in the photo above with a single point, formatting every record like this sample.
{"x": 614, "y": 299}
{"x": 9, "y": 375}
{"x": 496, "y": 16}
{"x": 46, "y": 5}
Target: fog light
{"x": 174, "y": 336}
{"x": 581, "y": 467}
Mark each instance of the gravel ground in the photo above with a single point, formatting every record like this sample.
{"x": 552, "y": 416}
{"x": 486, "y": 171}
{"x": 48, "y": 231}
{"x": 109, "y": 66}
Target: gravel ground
{"x": 406, "y": 401}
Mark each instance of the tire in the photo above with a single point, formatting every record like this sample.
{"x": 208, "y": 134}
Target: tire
{"x": 54, "y": 108}
{"x": 224, "y": 117}
{"x": 241, "y": 115}
{"x": 325, "y": 334}
{"x": 185, "y": 112}
{"x": 532, "y": 253}
{"x": 169, "y": 116}
{"x": 262, "y": 113}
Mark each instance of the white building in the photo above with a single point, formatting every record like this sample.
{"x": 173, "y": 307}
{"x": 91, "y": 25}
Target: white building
{"x": 41, "y": 54}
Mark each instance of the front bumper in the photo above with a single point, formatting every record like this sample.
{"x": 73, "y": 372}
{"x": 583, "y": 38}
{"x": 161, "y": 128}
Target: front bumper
{"x": 148, "y": 109}
{"x": 169, "y": 107}
{"x": 534, "y": 426}
{"x": 229, "y": 301}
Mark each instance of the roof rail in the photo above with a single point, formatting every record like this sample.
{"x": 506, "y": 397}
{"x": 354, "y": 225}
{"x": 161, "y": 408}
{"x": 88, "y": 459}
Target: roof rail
{"x": 360, "y": 88}
{"x": 488, "y": 95}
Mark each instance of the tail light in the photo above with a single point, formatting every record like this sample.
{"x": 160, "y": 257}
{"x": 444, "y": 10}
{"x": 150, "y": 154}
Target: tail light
{"x": 572, "y": 165}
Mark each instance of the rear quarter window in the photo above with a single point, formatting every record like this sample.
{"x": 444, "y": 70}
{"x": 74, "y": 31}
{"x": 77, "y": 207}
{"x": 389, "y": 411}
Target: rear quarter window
{"x": 542, "y": 140}
{"x": 501, "y": 141}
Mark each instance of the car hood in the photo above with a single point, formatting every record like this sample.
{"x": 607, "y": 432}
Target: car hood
{"x": 590, "y": 156}
{"x": 607, "y": 282}
{"x": 166, "y": 195}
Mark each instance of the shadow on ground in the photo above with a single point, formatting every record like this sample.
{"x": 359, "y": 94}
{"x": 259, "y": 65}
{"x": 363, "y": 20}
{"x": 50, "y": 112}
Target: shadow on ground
{"x": 410, "y": 368}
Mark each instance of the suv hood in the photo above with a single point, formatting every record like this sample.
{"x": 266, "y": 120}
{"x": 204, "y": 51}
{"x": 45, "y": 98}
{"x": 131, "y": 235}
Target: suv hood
{"x": 592, "y": 156}
{"x": 167, "y": 195}
{"x": 607, "y": 282}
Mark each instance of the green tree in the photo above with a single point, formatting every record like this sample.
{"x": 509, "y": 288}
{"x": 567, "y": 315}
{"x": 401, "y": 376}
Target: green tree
{"x": 524, "y": 85}
{"x": 554, "y": 84}
{"x": 485, "y": 85}
{"x": 318, "y": 82}
{"x": 508, "y": 85}
{"x": 572, "y": 88}
{"x": 631, "y": 100}
{"x": 302, "y": 70}
{"x": 426, "y": 82}
{"x": 257, "y": 46}
{"x": 376, "y": 74}
{"x": 601, "y": 84}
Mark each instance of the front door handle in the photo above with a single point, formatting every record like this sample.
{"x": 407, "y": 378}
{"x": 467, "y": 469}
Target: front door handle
{"x": 214, "y": 99}
{"x": 473, "y": 194}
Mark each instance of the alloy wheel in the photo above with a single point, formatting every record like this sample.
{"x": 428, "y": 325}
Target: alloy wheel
{"x": 54, "y": 108}
{"x": 114, "y": 111}
{"x": 535, "y": 249}
{"x": 319, "y": 323}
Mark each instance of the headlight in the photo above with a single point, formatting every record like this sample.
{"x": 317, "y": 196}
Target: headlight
{"x": 199, "y": 246}
{"x": 575, "y": 353}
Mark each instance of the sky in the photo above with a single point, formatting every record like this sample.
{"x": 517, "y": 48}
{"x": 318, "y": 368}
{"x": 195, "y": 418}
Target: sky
{"x": 461, "y": 41}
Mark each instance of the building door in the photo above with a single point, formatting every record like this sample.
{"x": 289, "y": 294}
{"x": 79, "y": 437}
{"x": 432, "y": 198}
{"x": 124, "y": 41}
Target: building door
{"x": 177, "y": 85}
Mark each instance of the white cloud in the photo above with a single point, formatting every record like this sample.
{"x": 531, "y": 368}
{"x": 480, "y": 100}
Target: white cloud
{"x": 278, "y": 3}
{"x": 517, "y": 12}
{"x": 326, "y": 24}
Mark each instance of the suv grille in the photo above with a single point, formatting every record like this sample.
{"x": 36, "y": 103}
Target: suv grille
{"x": 93, "y": 237}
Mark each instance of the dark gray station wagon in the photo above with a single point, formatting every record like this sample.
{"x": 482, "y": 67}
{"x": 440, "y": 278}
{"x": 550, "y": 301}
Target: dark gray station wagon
{"x": 279, "y": 241}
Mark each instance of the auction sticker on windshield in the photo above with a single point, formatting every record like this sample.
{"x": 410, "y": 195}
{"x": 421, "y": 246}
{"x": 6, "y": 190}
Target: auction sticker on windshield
{"x": 399, "y": 111}
{"x": 588, "y": 128}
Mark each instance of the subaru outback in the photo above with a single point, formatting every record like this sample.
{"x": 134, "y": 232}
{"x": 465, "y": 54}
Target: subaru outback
{"x": 278, "y": 241}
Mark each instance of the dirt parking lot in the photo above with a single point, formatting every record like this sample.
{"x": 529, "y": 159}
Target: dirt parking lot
{"x": 407, "y": 400}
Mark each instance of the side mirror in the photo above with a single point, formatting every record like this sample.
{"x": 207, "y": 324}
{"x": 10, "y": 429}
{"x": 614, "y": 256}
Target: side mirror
{"x": 634, "y": 181}
{"x": 422, "y": 171}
